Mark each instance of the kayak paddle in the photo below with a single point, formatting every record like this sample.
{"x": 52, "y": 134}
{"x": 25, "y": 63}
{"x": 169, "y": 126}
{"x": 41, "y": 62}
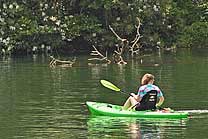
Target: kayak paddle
{"x": 111, "y": 86}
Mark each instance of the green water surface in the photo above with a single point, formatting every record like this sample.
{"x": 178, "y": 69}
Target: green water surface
{"x": 37, "y": 101}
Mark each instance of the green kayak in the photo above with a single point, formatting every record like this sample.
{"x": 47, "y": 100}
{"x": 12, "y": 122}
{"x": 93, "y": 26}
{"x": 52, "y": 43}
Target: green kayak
{"x": 106, "y": 109}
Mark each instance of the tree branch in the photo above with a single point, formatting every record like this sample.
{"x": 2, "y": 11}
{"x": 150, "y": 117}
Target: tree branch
{"x": 65, "y": 63}
{"x": 134, "y": 48}
{"x": 97, "y": 53}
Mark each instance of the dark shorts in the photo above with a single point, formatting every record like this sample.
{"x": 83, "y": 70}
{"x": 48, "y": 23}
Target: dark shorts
{"x": 140, "y": 107}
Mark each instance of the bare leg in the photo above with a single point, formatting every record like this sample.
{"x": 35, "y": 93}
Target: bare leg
{"x": 129, "y": 103}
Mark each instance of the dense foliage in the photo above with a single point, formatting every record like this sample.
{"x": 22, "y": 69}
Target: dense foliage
{"x": 30, "y": 24}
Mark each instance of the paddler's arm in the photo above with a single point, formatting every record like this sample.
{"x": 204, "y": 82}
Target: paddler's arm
{"x": 136, "y": 97}
{"x": 161, "y": 100}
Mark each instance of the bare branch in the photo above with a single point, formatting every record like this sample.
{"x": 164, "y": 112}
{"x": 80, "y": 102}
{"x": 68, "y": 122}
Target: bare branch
{"x": 122, "y": 62}
{"x": 65, "y": 63}
{"x": 118, "y": 37}
{"x": 135, "y": 41}
{"x": 119, "y": 52}
{"x": 97, "y": 53}
{"x": 100, "y": 59}
{"x": 118, "y": 55}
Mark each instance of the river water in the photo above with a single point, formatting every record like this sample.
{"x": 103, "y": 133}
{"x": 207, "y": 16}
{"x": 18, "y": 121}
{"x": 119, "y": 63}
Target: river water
{"x": 37, "y": 101}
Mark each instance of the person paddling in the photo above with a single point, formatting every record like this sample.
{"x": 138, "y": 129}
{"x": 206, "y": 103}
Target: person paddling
{"x": 149, "y": 96}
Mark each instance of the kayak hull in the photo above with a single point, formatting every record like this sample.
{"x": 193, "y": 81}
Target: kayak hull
{"x": 106, "y": 109}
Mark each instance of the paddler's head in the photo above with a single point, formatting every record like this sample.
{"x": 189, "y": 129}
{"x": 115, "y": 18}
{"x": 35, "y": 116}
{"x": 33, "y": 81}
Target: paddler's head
{"x": 147, "y": 79}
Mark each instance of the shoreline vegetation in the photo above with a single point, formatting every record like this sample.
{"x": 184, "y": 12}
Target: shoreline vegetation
{"x": 101, "y": 27}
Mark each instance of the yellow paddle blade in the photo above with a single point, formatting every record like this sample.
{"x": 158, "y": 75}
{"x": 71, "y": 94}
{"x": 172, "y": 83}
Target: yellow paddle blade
{"x": 109, "y": 85}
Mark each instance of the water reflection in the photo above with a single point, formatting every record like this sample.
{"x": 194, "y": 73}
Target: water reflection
{"x": 134, "y": 128}
{"x": 47, "y": 117}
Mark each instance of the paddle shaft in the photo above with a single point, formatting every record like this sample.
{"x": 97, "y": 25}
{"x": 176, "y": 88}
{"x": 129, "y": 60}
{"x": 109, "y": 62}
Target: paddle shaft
{"x": 125, "y": 93}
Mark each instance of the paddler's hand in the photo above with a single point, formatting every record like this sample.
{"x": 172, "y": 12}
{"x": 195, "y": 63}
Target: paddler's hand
{"x": 133, "y": 95}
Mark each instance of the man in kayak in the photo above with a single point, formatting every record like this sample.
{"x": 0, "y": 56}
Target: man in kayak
{"x": 149, "y": 96}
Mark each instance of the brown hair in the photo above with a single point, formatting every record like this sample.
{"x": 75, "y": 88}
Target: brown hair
{"x": 147, "y": 78}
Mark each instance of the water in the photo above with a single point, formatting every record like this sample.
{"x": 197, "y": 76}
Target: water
{"x": 37, "y": 101}
{"x": 111, "y": 127}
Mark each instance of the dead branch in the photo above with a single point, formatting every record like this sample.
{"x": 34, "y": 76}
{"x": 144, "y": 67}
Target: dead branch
{"x": 64, "y": 63}
{"x": 119, "y": 52}
{"x": 99, "y": 55}
{"x": 117, "y": 36}
{"x": 118, "y": 55}
{"x": 134, "y": 48}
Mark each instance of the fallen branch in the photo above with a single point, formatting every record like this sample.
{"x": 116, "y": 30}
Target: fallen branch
{"x": 100, "y": 57}
{"x": 64, "y": 63}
